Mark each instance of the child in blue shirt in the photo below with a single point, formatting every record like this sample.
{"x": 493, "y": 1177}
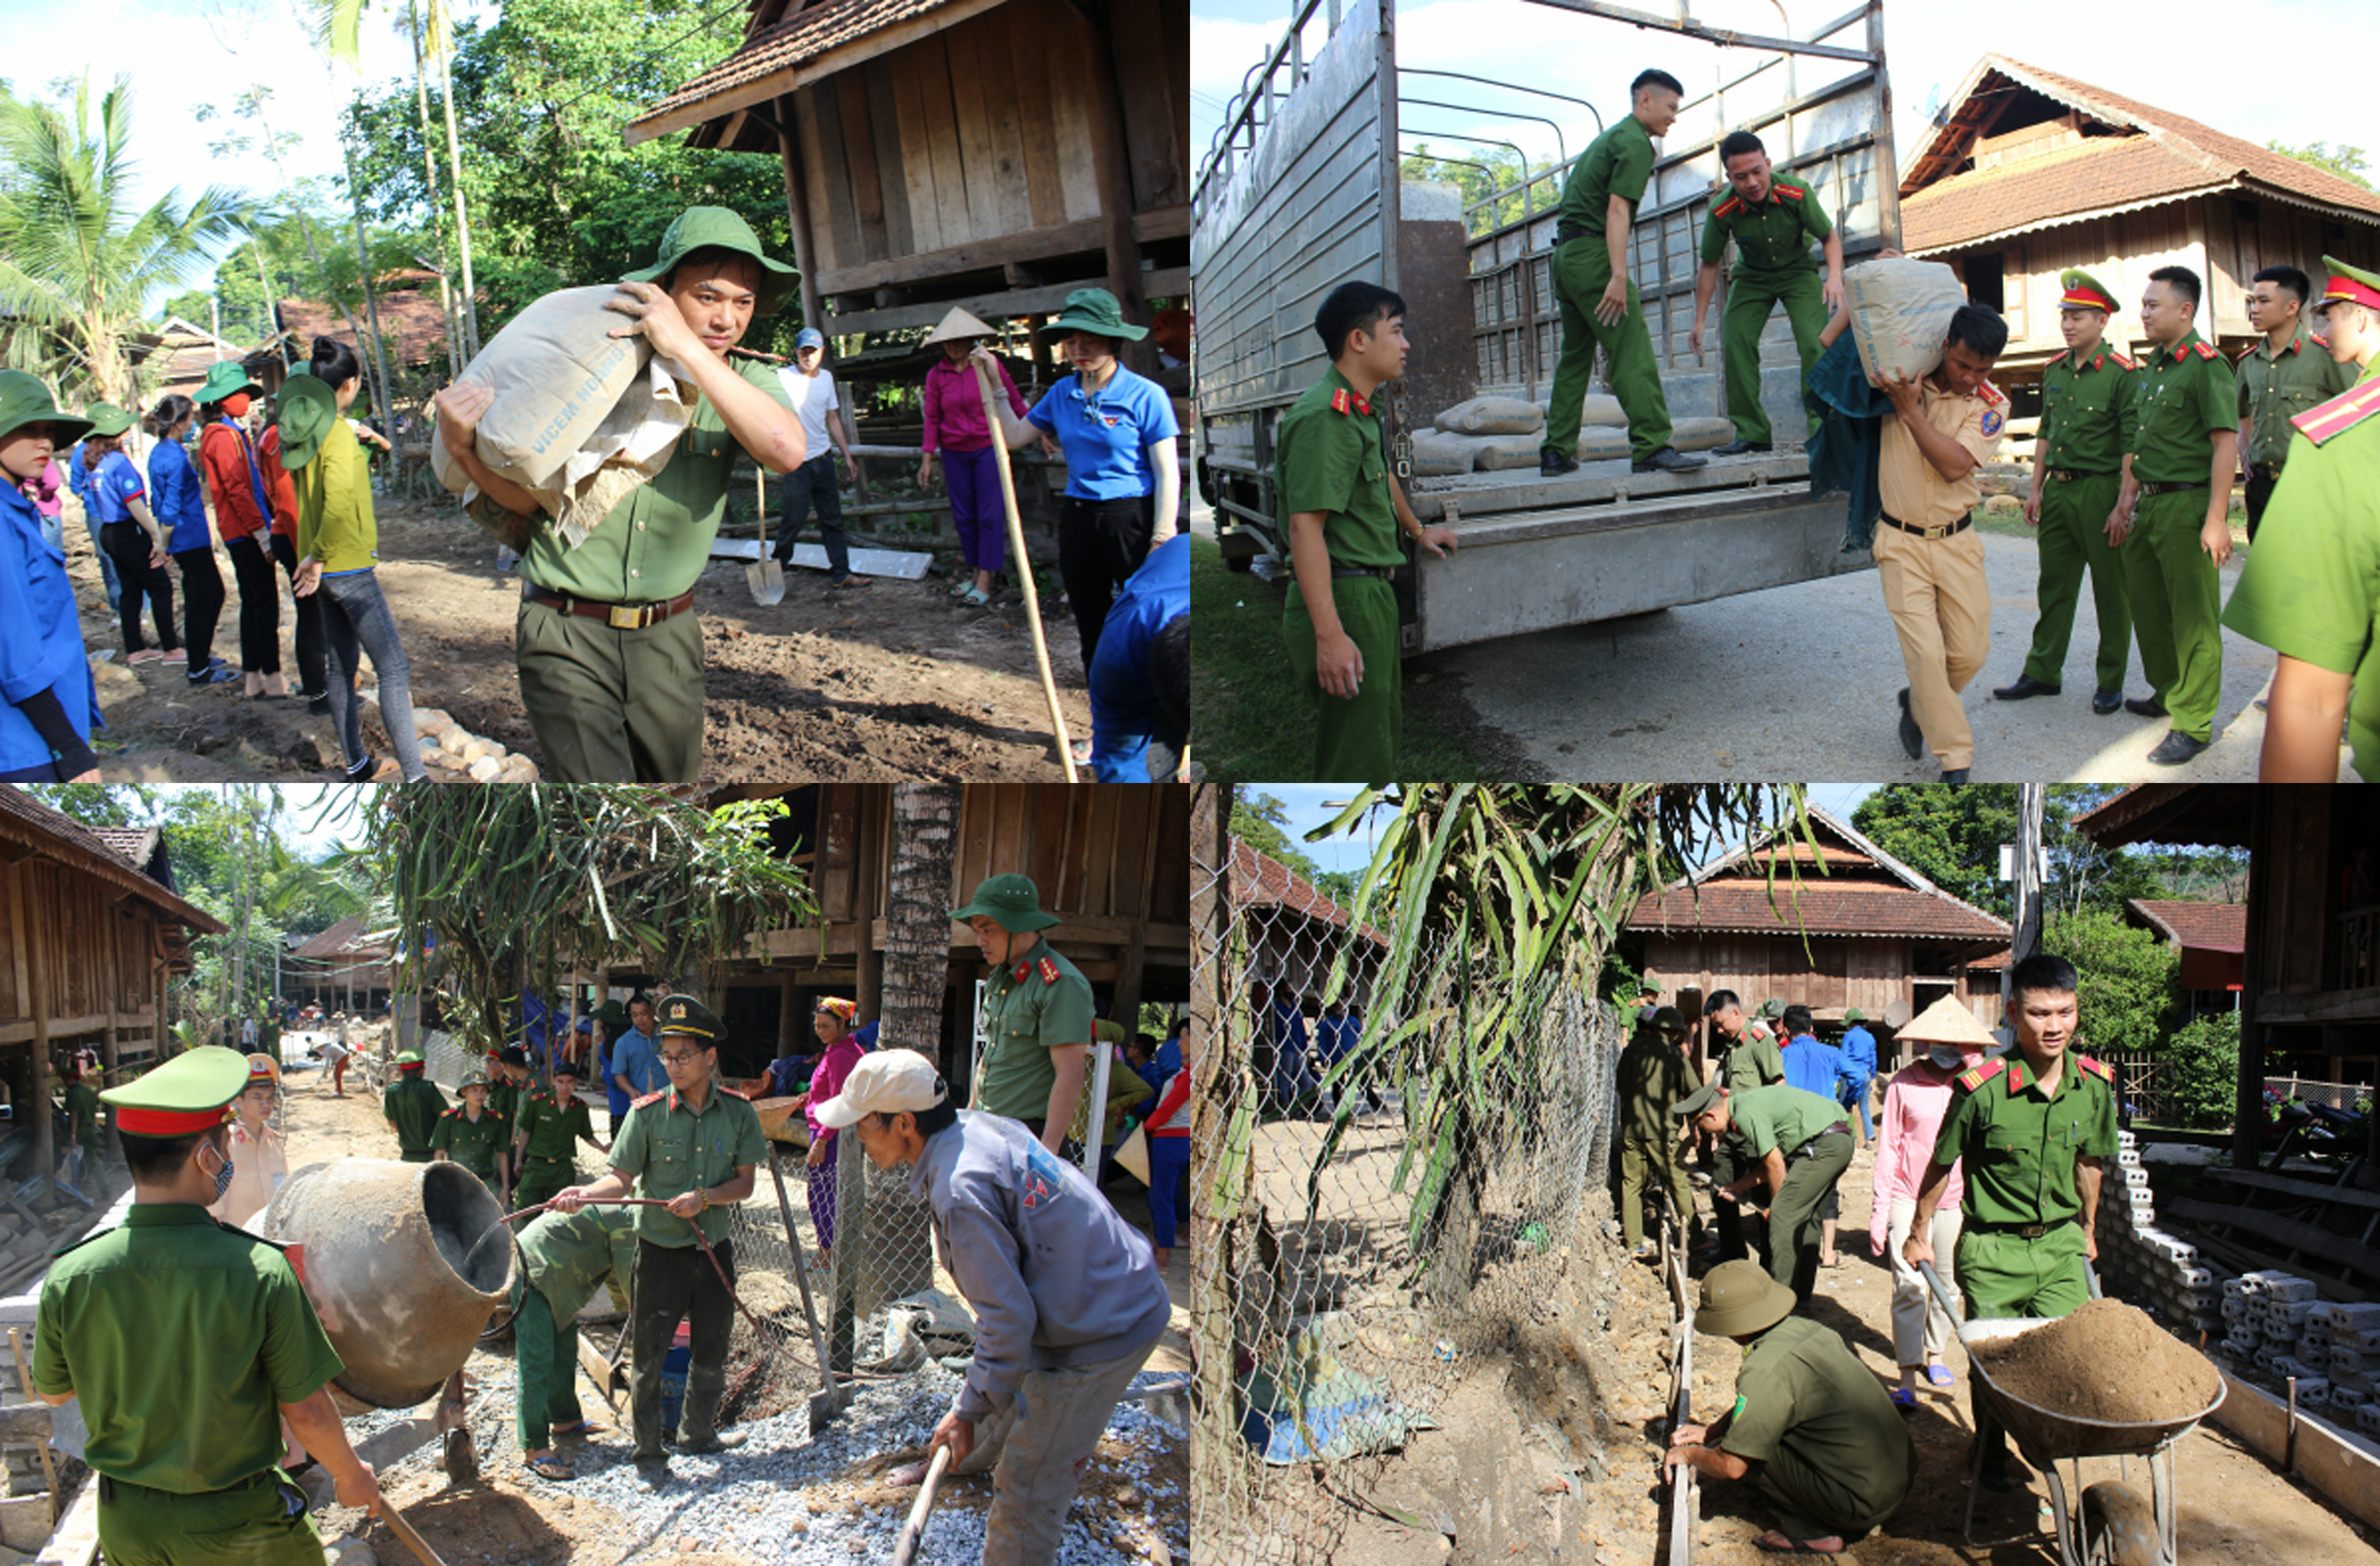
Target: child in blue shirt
{"x": 179, "y": 502}
{"x": 117, "y": 496}
{"x": 47, "y": 704}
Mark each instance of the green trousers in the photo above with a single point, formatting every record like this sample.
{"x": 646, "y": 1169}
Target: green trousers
{"x": 1797, "y": 1209}
{"x": 1582, "y": 270}
{"x": 1354, "y": 741}
{"x": 2073, "y": 539}
{"x": 1812, "y": 1502}
{"x": 265, "y": 1524}
{"x": 612, "y": 705}
{"x": 540, "y": 1181}
{"x": 424, "y": 1157}
{"x": 545, "y": 1357}
{"x": 2004, "y": 1276}
{"x": 1749, "y": 300}
{"x": 2177, "y": 602}
{"x": 1654, "y": 1161}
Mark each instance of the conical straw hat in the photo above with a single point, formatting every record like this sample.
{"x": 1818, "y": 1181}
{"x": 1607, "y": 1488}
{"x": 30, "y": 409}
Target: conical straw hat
{"x": 959, "y": 326}
{"x": 1946, "y": 1021}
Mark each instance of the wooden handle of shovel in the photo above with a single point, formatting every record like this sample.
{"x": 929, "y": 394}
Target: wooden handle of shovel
{"x": 1024, "y": 568}
{"x": 905, "y": 1552}
{"x": 406, "y": 1535}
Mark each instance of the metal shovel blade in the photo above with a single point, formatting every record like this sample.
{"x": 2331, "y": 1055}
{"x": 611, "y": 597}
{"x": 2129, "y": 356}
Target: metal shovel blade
{"x": 767, "y": 581}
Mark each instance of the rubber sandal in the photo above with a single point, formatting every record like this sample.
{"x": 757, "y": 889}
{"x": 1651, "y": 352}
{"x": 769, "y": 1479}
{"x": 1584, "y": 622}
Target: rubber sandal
{"x": 1904, "y": 1401}
{"x": 975, "y": 598}
{"x": 584, "y": 1427}
{"x": 1790, "y": 1547}
{"x": 1940, "y": 1375}
{"x": 552, "y": 1468}
{"x": 179, "y": 655}
{"x": 146, "y": 655}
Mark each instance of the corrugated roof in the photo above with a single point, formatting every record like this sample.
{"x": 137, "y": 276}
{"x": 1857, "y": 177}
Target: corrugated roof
{"x": 1260, "y": 878}
{"x": 67, "y": 840}
{"x": 793, "y": 41}
{"x": 2205, "y": 927}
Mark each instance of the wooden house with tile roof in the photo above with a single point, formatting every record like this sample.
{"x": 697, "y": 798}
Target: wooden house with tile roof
{"x": 349, "y": 967}
{"x": 2210, "y": 939}
{"x": 2029, "y": 173}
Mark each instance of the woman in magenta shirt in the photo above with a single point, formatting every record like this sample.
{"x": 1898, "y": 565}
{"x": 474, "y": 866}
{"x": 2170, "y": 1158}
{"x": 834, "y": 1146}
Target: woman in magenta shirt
{"x": 832, "y": 1024}
{"x": 955, "y": 426}
{"x": 1914, "y": 1104}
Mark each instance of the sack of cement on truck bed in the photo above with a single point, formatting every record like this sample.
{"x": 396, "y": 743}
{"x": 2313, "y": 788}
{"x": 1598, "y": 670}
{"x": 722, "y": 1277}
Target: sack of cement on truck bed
{"x": 1494, "y": 453}
{"x": 1437, "y": 455}
{"x": 1901, "y": 314}
{"x": 580, "y": 417}
{"x": 1493, "y": 416}
{"x": 1701, "y": 433}
{"x": 1600, "y": 407}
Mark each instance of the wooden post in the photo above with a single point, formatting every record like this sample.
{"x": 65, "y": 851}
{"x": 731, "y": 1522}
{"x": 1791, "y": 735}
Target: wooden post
{"x": 1126, "y": 1007}
{"x": 107, "y": 1042}
{"x": 797, "y": 212}
{"x": 789, "y": 1021}
{"x": 1112, "y": 177}
{"x": 37, "y": 1089}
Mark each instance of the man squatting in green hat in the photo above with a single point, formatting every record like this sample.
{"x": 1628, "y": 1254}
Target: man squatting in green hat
{"x": 608, "y": 645}
{"x": 1037, "y": 1011}
{"x": 187, "y": 1342}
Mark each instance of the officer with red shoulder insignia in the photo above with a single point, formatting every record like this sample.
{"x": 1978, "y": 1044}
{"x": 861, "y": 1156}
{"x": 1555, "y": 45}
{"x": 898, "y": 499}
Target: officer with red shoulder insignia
{"x": 2285, "y": 372}
{"x": 2033, "y": 1130}
{"x": 1037, "y": 1011}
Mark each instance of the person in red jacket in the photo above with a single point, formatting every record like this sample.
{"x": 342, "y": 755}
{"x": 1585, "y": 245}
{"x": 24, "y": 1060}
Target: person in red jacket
{"x": 227, "y": 455}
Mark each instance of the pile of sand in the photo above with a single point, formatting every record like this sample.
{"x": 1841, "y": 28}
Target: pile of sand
{"x": 2106, "y": 1362}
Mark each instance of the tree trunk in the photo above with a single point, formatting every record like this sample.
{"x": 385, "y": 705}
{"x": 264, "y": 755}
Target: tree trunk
{"x": 429, "y": 191}
{"x": 383, "y": 388}
{"x": 917, "y": 916}
{"x": 462, "y": 215}
{"x": 1219, "y": 1063}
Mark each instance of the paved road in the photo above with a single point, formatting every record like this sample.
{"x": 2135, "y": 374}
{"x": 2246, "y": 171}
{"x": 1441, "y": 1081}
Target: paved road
{"x": 1798, "y": 682}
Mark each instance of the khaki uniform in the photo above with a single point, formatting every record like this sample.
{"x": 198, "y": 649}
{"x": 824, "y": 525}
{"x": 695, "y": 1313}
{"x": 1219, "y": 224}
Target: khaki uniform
{"x": 1934, "y": 586}
{"x": 1773, "y": 265}
{"x": 1828, "y": 1449}
{"x": 1620, "y": 163}
{"x": 2274, "y": 389}
{"x": 2185, "y": 393}
{"x": 1654, "y": 1074}
{"x": 2087, "y": 421}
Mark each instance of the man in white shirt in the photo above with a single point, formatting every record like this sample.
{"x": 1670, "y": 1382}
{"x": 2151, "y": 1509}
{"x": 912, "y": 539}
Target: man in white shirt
{"x": 809, "y": 386}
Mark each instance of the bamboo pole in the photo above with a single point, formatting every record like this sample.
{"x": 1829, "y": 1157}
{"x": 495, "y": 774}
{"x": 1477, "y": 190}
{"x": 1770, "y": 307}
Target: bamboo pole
{"x": 1023, "y": 567}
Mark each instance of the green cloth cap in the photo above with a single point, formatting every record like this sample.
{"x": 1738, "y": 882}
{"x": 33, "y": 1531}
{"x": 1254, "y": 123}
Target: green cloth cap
{"x": 1012, "y": 903}
{"x": 107, "y": 420}
{"x": 1097, "y": 312}
{"x": 409, "y": 1060}
{"x": 224, "y": 378}
{"x": 1739, "y": 1299}
{"x": 688, "y": 1018}
{"x": 1696, "y": 1101}
{"x": 1853, "y": 1013}
{"x": 1671, "y": 1020}
{"x": 611, "y": 1013}
{"x": 472, "y": 1079}
{"x": 309, "y": 409}
{"x": 703, "y": 228}
{"x": 24, "y": 400}
{"x": 1771, "y": 1008}
{"x": 194, "y": 1083}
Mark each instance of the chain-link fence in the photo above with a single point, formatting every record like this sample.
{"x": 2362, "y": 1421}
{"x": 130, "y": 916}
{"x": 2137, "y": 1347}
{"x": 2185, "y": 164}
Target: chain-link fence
{"x": 1387, "y": 1193}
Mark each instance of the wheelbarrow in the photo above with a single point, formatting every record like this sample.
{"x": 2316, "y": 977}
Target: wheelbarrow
{"x": 2114, "y": 1526}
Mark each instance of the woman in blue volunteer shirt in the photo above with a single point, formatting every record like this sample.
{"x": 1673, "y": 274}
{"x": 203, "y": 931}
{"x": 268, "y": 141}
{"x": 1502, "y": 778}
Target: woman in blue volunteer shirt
{"x": 129, "y": 531}
{"x": 47, "y": 706}
{"x": 182, "y": 511}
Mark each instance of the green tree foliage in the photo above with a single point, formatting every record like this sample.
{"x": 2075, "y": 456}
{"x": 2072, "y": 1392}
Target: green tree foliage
{"x": 555, "y": 199}
{"x": 2126, "y": 977}
{"x": 2342, "y": 160}
{"x": 1262, "y": 822}
{"x": 1480, "y": 173}
{"x": 2201, "y": 1075}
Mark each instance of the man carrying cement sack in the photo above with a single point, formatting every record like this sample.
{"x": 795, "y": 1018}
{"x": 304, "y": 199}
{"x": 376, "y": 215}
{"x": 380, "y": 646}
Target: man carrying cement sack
{"x": 608, "y": 645}
{"x": 1772, "y": 218}
{"x": 1067, "y": 1298}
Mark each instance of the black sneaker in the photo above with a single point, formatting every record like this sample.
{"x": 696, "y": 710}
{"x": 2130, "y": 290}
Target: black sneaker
{"x": 1553, "y": 464}
{"x": 1670, "y": 459}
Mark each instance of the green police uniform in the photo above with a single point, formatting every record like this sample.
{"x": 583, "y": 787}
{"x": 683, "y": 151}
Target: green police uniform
{"x": 671, "y": 1149}
{"x": 1830, "y": 1452}
{"x": 505, "y": 1097}
{"x": 2185, "y": 393}
{"x": 2088, "y": 422}
{"x": 1328, "y": 457}
{"x": 1620, "y": 163}
{"x": 1654, "y": 1074}
{"x": 1035, "y": 1004}
{"x": 479, "y": 1144}
{"x": 553, "y": 1130}
{"x": 82, "y": 1115}
{"x": 1753, "y": 1061}
{"x": 171, "y": 1314}
{"x": 2311, "y": 589}
{"x": 565, "y": 1258}
{"x": 1807, "y": 1129}
{"x": 2274, "y": 389}
{"x": 1773, "y": 266}
{"x": 413, "y": 1104}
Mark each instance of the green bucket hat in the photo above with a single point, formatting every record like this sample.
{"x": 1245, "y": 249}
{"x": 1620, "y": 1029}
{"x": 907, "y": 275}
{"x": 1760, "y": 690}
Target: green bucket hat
{"x": 1094, "y": 310}
{"x": 309, "y": 409}
{"x": 704, "y": 228}
{"x": 1739, "y": 1299}
{"x": 224, "y": 378}
{"x": 107, "y": 420}
{"x": 24, "y": 400}
{"x": 612, "y": 1014}
{"x": 1012, "y": 903}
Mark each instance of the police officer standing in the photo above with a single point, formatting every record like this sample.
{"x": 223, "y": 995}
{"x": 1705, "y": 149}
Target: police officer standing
{"x": 2088, "y": 419}
{"x": 695, "y": 1148}
{"x": 1599, "y": 305}
{"x": 546, "y": 1142}
{"x": 187, "y": 1343}
{"x": 2172, "y": 520}
{"x": 412, "y": 1104}
{"x": 1654, "y": 1075}
{"x": 1748, "y": 1057}
{"x": 2032, "y": 1130}
{"x": 1772, "y": 218}
{"x": 475, "y": 1136}
{"x": 1038, "y": 1010}
{"x": 2310, "y": 591}
{"x": 2282, "y": 374}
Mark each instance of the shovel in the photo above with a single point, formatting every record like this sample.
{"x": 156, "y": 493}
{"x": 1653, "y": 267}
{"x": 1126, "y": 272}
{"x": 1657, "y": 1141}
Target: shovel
{"x": 764, "y": 576}
{"x": 913, "y": 1532}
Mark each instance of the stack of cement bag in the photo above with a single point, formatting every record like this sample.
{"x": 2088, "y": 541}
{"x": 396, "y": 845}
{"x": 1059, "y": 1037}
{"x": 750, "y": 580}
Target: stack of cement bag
{"x": 1490, "y": 434}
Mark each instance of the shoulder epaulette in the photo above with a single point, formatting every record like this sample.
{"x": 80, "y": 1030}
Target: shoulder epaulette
{"x": 648, "y": 1098}
{"x": 1992, "y": 395}
{"x": 2099, "y": 1069}
{"x": 1729, "y": 208}
{"x": 450, "y": 1114}
{"x": 1790, "y": 192}
{"x": 2245, "y": 354}
{"x": 2343, "y": 412}
{"x": 2122, "y": 358}
{"x": 2205, "y": 350}
{"x": 95, "y": 1234}
{"x": 1048, "y": 970}
{"x": 1975, "y": 1079}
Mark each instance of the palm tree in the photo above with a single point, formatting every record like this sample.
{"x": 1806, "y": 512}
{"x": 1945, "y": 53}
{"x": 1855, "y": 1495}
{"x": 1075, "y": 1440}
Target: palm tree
{"x": 918, "y": 914}
{"x": 75, "y": 263}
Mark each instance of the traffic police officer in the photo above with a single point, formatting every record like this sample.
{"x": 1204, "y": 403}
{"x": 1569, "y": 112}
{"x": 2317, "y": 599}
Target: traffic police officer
{"x": 2174, "y": 544}
{"x": 1342, "y": 511}
{"x": 2088, "y": 420}
{"x": 1748, "y": 1057}
{"x": 2285, "y": 372}
{"x": 2034, "y": 1128}
{"x": 475, "y": 1136}
{"x": 1599, "y": 305}
{"x": 1772, "y": 218}
{"x": 2311, "y": 590}
{"x": 1036, "y": 1011}
{"x": 412, "y": 1104}
{"x": 1795, "y": 1145}
{"x": 187, "y": 1342}
{"x": 546, "y": 1142}
{"x": 1833, "y": 1457}
{"x": 1654, "y": 1075}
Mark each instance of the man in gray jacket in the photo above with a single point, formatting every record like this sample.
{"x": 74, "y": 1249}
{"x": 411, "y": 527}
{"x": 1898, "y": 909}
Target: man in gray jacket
{"x": 1067, "y": 1298}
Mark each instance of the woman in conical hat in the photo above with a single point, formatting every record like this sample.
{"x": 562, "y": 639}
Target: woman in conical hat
{"x": 955, "y": 427}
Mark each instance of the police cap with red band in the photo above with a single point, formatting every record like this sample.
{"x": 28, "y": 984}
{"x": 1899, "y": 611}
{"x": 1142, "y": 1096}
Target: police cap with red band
{"x": 190, "y": 1093}
{"x": 2083, "y": 291}
{"x": 2349, "y": 285}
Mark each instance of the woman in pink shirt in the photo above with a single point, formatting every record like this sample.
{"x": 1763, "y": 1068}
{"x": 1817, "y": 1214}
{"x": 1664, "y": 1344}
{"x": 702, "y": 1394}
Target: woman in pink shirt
{"x": 955, "y": 426}
{"x": 833, "y": 1025}
{"x": 1913, "y": 1106}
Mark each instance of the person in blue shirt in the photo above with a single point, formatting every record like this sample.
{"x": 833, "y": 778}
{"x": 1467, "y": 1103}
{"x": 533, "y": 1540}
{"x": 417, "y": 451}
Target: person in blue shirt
{"x": 613, "y": 1022}
{"x": 180, "y": 503}
{"x": 1859, "y": 1052}
{"x": 47, "y": 702}
{"x": 636, "y": 1067}
{"x": 72, "y": 463}
{"x": 1294, "y": 1090}
{"x": 1817, "y": 1067}
{"x": 118, "y": 496}
{"x": 1140, "y": 678}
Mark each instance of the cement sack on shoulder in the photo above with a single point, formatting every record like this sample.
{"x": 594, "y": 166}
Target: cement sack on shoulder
{"x": 1600, "y": 407}
{"x": 1900, "y": 313}
{"x": 1493, "y": 416}
{"x": 1437, "y": 455}
{"x": 1497, "y": 453}
{"x": 580, "y": 417}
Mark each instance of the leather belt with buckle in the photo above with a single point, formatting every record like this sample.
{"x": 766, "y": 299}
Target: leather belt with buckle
{"x": 1946, "y": 530}
{"x": 619, "y": 616}
{"x": 1382, "y": 572}
{"x": 2174, "y": 488}
{"x": 2072, "y": 475}
{"x": 1564, "y": 235}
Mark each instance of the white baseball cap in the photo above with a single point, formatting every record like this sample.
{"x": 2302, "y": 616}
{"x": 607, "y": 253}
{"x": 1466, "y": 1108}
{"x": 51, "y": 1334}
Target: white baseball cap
{"x": 884, "y": 1083}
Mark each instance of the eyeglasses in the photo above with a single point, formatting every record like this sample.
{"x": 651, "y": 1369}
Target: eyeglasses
{"x": 680, "y": 1058}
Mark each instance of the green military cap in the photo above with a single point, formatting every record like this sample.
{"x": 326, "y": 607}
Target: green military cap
{"x": 1739, "y": 1299}
{"x": 309, "y": 409}
{"x": 1650, "y": 985}
{"x": 472, "y": 1079}
{"x": 689, "y": 1018}
{"x": 1097, "y": 312}
{"x": 718, "y": 228}
{"x": 1012, "y": 903}
{"x": 224, "y": 379}
{"x": 1668, "y": 1019}
{"x": 2083, "y": 292}
{"x": 2349, "y": 285}
{"x": 24, "y": 400}
{"x": 611, "y": 1013}
{"x": 1852, "y": 1015}
{"x": 564, "y": 1068}
{"x": 409, "y": 1060}
{"x": 188, "y": 1094}
{"x": 1698, "y": 1100}
{"x": 1770, "y": 1008}
{"x": 107, "y": 420}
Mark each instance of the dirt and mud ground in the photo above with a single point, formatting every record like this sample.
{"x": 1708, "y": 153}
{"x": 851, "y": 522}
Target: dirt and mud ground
{"x": 893, "y": 680}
